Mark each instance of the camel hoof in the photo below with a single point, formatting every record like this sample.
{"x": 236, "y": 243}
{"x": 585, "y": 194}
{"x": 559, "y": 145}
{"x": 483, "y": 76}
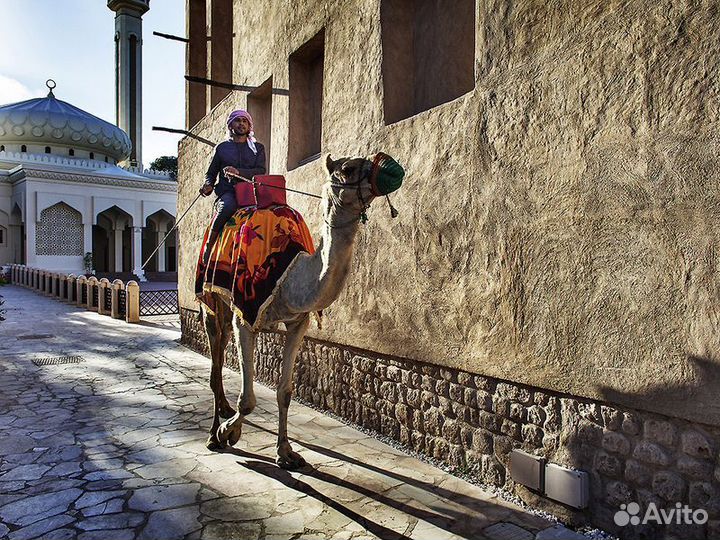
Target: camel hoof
{"x": 214, "y": 445}
{"x": 234, "y": 436}
{"x": 229, "y": 436}
{"x": 291, "y": 463}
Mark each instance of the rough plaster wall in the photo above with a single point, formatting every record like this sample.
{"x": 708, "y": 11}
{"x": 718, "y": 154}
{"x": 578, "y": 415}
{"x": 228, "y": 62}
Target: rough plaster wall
{"x": 556, "y": 224}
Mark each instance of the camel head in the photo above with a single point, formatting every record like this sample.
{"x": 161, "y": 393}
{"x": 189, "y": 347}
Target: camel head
{"x": 355, "y": 182}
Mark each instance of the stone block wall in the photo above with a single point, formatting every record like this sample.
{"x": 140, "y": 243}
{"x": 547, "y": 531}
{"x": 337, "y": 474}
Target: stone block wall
{"x": 473, "y": 422}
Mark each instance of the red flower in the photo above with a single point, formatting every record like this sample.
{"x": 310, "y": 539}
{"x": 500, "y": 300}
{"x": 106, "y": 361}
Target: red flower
{"x": 248, "y": 234}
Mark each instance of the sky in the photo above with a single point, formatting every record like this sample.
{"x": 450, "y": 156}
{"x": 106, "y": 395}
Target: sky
{"x": 71, "y": 42}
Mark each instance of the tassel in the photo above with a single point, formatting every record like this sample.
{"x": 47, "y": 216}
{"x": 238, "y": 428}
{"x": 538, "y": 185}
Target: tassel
{"x": 393, "y": 212}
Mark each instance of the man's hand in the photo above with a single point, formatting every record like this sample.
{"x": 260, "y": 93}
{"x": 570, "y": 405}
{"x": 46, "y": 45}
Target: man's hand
{"x": 206, "y": 189}
{"x": 231, "y": 171}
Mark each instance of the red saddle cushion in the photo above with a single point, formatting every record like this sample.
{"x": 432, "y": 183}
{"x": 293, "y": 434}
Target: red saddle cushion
{"x": 269, "y": 190}
{"x": 244, "y": 194}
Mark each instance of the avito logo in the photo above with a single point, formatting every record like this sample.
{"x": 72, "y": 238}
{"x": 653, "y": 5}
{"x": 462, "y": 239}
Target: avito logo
{"x": 629, "y": 514}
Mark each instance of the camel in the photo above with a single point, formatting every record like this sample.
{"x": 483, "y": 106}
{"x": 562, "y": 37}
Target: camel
{"x": 311, "y": 284}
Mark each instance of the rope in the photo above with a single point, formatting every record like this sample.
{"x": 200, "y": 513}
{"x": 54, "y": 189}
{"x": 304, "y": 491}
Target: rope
{"x": 170, "y": 231}
{"x": 256, "y": 183}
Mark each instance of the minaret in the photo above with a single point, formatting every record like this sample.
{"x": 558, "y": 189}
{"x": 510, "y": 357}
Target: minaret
{"x": 128, "y": 70}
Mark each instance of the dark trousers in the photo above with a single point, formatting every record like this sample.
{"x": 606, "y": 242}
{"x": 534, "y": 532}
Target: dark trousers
{"x": 226, "y": 205}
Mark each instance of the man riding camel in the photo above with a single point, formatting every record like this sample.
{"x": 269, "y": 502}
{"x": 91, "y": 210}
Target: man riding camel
{"x": 241, "y": 155}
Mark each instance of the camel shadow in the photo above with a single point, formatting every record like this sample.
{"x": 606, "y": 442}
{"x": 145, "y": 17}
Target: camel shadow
{"x": 465, "y": 500}
{"x": 446, "y": 518}
{"x": 284, "y": 477}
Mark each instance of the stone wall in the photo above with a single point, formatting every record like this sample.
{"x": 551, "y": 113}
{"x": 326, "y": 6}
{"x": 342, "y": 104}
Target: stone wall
{"x": 473, "y": 422}
{"x": 556, "y": 224}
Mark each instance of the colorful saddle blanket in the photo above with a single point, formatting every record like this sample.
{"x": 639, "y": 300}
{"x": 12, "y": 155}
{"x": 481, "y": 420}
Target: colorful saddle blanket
{"x": 250, "y": 257}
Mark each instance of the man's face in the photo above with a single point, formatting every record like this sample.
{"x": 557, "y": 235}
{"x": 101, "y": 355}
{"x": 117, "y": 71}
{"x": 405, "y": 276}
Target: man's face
{"x": 240, "y": 126}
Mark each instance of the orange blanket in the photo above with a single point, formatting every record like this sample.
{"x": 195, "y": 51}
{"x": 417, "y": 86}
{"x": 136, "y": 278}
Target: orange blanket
{"x": 251, "y": 255}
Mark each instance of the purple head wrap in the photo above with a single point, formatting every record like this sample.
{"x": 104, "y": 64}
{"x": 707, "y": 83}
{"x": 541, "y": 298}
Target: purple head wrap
{"x": 240, "y": 113}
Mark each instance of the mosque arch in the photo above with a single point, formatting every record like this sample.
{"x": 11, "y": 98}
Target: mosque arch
{"x": 151, "y": 208}
{"x": 17, "y": 214}
{"x": 127, "y": 206}
{"x": 47, "y": 200}
{"x": 156, "y": 227}
{"x": 112, "y": 240}
{"x": 4, "y": 229}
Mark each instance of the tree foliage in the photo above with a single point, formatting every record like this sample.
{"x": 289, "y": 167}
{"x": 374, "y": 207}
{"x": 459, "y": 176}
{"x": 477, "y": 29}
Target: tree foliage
{"x": 166, "y": 163}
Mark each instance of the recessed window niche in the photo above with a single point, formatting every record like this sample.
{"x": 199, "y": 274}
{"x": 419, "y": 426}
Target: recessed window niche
{"x": 260, "y": 108}
{"x": 428, "y": 49}
{"x": 306, "y": 93}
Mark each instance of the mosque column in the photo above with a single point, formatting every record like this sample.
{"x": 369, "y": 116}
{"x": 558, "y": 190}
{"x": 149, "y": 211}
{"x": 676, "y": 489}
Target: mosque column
{"x": 88, "y": 241}
{"x": 137, "y": 253}
{"x": 31, "y": 256}
{"x": 161, "y": 252}
{"x": 118, "y": 248}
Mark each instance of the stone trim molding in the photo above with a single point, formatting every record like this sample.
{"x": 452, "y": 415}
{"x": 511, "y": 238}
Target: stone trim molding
{"x": 473, "y": 422}
{"x": 79, "y": 178}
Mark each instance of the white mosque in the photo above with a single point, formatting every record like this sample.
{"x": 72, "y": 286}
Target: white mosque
{"x": 67, "y": 184}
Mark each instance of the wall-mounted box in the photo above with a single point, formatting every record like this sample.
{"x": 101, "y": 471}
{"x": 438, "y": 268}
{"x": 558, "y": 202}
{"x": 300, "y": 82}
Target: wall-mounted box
{"x": 527, "y": 469}
{"x": 567, "y": 486}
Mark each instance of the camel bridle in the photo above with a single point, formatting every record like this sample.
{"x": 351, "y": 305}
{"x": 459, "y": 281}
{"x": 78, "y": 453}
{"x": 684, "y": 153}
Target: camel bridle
{"x": 335, "y": 195}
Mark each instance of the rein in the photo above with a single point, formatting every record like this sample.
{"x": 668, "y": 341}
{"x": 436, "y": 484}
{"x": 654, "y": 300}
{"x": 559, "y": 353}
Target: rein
{"x": 371, "y": 173}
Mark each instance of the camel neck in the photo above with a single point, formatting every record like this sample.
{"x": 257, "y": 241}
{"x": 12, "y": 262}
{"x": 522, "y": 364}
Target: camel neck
{"x": 334, "y": 256}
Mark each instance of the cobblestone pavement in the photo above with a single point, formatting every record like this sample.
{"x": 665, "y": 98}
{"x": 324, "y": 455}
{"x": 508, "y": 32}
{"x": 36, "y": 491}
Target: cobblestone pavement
{"x": 112, "y": 448}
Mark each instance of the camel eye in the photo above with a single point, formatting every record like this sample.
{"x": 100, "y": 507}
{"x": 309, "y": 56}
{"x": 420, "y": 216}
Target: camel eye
{"x": 347, "y": 170}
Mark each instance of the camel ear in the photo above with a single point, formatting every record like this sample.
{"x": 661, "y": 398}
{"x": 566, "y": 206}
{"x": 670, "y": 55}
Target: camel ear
{"x": 330, "y": 164}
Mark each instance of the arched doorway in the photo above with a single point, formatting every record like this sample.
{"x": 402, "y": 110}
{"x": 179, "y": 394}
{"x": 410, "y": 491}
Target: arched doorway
{"x": 112, "y": 246}
{"x": 17, "y": 235}
{"x": 156, "y": 227}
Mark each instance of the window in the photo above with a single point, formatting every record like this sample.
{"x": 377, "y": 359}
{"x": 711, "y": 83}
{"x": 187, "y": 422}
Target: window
{"x": 92, "y": 155}
{"x": 47, "y": 149}
{"x": 196, "y": 102}
{"x": 428, "y": 50}
{"x": 2, "y": 147}
{"x": 306, "y": 89}
{"x": 23, "y": 148}
{"x": 2, "y": 236}
{"x": 106, "y": 160}
{"x": 60, "y": 231}
{"x": 71, "y": 152}
{"x": 221, "y": 47}
{"x": 260, "y": 108}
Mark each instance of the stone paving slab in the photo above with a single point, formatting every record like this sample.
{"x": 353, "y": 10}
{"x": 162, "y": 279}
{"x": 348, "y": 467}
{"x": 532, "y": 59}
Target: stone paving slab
{"x": 113, "y": 448}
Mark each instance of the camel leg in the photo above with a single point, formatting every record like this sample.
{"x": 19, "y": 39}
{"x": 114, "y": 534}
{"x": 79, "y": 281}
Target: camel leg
{"x": 230, "y": 431}
{"x": 286, "y": 457}
{"x": 218, "y": 331}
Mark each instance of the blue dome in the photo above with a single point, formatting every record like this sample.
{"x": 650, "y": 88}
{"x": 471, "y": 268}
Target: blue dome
{"x": 50, "y": 121}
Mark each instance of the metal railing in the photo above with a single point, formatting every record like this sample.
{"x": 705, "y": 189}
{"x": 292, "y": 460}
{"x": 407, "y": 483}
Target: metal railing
{"x": 117, "y": 299}
{"x": 122, "y": 301}
{"x": 163, "y": 302}
{"x": 107, "y": 300}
